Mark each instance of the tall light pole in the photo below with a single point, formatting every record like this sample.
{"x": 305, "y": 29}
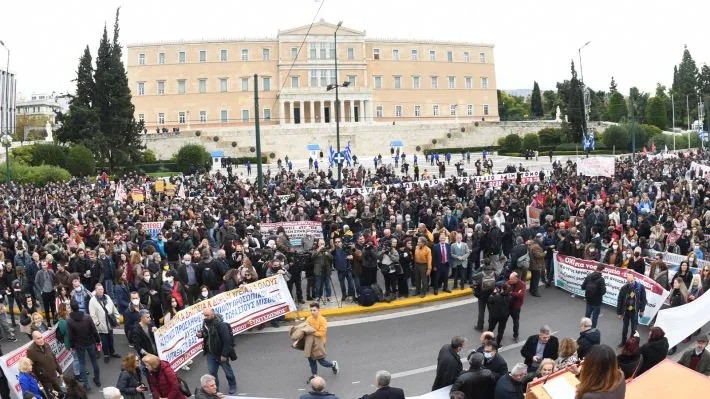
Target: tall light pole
{"x": 585, "y": 109}
{"x": 6, "y": 91}
{"x": 338, "y": 156}
{"x": 6, "y": 141}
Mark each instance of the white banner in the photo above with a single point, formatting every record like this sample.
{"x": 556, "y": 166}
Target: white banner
{"x": 570, "y": 273}
{"x": 295, "y": 230}
{"x": 596, "y": 166}
{"x": 682, "y": 321}
{"x": 701, "y": 171}
{"x": 9, "y": 361}
{"x": 241, "y": 308}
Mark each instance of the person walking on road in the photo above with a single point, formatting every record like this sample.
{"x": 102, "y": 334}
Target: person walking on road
{"x": 105, "y": 315}
{"x": 499, "y": 309}
{"x": 630, "y": 305}
{"x": 315, "y": 352}
{"x": 83, "y": 339}
{"x": 217, "y": 344}
{"x": 448, "y": 363}
{"x": 594, "y": 289}
{"x": 484, "y": 283}
{"x": 517, "y": 294}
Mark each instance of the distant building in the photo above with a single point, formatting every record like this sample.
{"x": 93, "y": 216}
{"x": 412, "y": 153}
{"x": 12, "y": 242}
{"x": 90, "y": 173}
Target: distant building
{"x": 33, "y": 113}
{"x": 8, "y": 89}
{"x": 210, "y": 83}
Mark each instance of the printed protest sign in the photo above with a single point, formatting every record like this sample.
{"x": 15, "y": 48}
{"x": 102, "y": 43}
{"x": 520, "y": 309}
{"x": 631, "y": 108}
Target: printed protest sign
{"x": 295, "y": 230}
{"x": 596, "y": 166}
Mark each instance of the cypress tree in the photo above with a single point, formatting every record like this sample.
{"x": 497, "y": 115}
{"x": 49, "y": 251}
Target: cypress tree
{"x": 536, "y": 102}
{"x": 81, "y": 123}
{"x": 575, "y": 107}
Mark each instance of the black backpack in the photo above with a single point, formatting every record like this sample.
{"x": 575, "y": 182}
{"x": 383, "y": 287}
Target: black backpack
{"x": 591, "y": 289}
{"x": 366, "y": 296}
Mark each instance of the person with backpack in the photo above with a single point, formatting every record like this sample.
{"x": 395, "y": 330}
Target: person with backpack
{"x": 594, "y": 289}
{"x": 218, "y": 344}
{"x": 484, "y": 283}
{"x": 499, "y": 309}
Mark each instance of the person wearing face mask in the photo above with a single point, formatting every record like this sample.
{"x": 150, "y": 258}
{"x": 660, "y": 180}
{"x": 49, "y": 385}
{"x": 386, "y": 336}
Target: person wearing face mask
{"x": 204, "y": 294}
{"x": 105, "y": 315}
{"x": 173, "y": 289}
{"x": 150, "y": 296}
{"x": 637, "y": 263}
{"x": 614, "y": 255}
{"x": 188, "y": 275}
{"x": 80, "y": 294}
{"x": 131, "y": 316}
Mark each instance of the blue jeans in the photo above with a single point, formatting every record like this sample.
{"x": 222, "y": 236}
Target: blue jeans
{"x": 213, "y": 365}
{"x": 342, "y": 276}
{"x": 91, "y": 350}
{"x": 314, "y": 367}
{"x": 108, "y": 289}
{"x": 322, "y": 282}
{"x": 592, "y": 312}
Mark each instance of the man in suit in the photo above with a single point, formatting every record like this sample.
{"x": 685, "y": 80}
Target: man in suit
{"x": 459, "y": 253}
{"x": 538, "y": 347}
{"x": 441, "y": 256}
{"x": 384, "y": 390}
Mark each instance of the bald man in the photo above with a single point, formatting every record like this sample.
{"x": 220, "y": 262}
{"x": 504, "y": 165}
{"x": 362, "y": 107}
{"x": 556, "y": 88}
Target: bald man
{"x": 318, "y": 390}
{"x": 44, "y": 364}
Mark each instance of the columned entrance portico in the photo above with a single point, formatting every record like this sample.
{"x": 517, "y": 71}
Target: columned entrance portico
{"x": 316, "y": 106}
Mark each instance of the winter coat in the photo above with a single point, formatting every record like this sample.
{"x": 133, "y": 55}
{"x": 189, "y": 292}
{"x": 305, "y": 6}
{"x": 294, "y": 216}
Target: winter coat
{"x": 29, "y": 383}
{"x": 508, "y": 388}
{"x": 629, "y": 364}
{"x": 217, "y": 338}
{"x": 318, "y": 395}
{"x": 703, "y": 366}
{"x": 618, "y": 392}
{"x": 586, "y": 340}
{"x": 551, "y": 349}
{"x": 142, "y": 342}
{"x": 448, "y": 367}
{"x": 81, "y": 330}
{"x": 653, "y": 352}
{"x": 44, "y": 363}
{"x": 537, "y": 257}
{"x": 499, "y": 306}
{"x": 594, "y": 278}
{"x": 322, "y": 263}
{"x": 313, "y": 346}
{"x": 164, "y": 382}
{"x": 128, "y": 382}
{"x": 480, "y": 383}
{"x": 99, "y": 316}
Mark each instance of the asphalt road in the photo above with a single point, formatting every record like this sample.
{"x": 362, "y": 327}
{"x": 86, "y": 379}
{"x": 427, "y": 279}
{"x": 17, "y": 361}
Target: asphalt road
{"x": 406, "y": 344}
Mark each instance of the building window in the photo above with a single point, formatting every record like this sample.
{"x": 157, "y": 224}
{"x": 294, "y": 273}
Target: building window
{"x": 434, "y": 82}
{"x": 245, "y": 115}
{"x": 223, "y": 55}
{"x": 485, "y": 109}
{"x": 450, "y": 56}
{"x": 223, "y": 84}
{"x": 331, "y": 51}
{"x": 161, "y": 58}
{"x": 141, "y": 88}
{"x": 181, "y": 57}
{"x": 245, "y": 84}
{"x": 324, "y": 78}
{"x": 484, "y": 82}
{"x": 416, "y": 82}
{"x": 376, "y": 53}
{"x": 314, "y": 78}
{"x": 161, "y": 118}
{"x": 203, "y": 116}
{"x": 223, "y": 117}
{"x": 202, "y": 85}
{"x": 267, "y": 114}
{"x": 452, "y": 82}
{"x": 181, "y": 117}
{"x": 203, "y": 55}
{"x": 432, "y": 55}
{"x": 266, "y": 83}
{"x": 466, "y": 57}
{"x": 323, "y": 51}
{"x": 141, "y": 118}
{"x": 313, "y": 50}
{"x": 265, "y": 54}
{"x": 397, "y": 82}
{"x": 452, "y": 110}
{"x": 398, "y": 111}
{"x": 161, "y": 87}
{"x": 379, "y": 112}
{"x": 378, "y": 82}
{"x": 351, "y": 53}
{"x": 469, "y": 110}
{"x": 245, "y": 54}
{"x": 294, "y": 53}
{"x": 415, "y": 54}
{"x": 181, "y": 86}
{"x": 435, "y": 110}
{"x": 468, "y": 82}
{"x": 294, "y": 82}
{"x": 482, "y": 58}
{"x": 352, "y": 79}
{"x": 417, "y": 110}
{"x": 395, "y": 54}
{"x": 141, "y": 59}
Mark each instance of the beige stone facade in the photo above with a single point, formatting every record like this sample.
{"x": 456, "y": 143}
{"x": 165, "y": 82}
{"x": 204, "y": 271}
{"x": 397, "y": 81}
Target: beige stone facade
{"x": 210, "y": 84}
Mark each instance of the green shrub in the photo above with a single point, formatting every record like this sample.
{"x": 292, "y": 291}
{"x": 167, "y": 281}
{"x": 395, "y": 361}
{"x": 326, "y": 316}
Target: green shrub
{"x": 81, "y": 161}
{"x": 38, "y": 175}
{"x": 49, "y": 154}
{"x": 192, "y": 155}
{"x": 243, "y": 160}
{"x": 531, "y": 142}
{"x": 510, "y": 143}
{"x": 459, "y": 150}
{"x": 598, "y": 146}
{"x": 23, "y": 154}
{"x": 617, "y": 136}
{"x": 148, "y": 156}
{"x": 550, "y": 136}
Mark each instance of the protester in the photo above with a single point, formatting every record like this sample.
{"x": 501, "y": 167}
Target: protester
{"x": 83, "y": 339}
{"x": 44, "y": 364}
{"x": 655, "y": 350}
{"x": 384, "y": 390}
{"x": 448, "y": 363}
{"x": 599, "y": 376}
{"x": 588, "y": 337}
{"x": 477, "y": 382}
{"x": 130, "y": 380}
{"x": 28, "y": 382}
{"x": 512, "y": 385}
{"x": 630, "y": 357}
{"x": 697, "y": 358}
{"x": 217, "y": 344}
{"x": 318, "y": 390}
{"x": 163, "y": 380}
{"x": 594, "y": 289}
{"x": 541, "y": 346}
{"x": 630, "y": 305}
{"x": 105, "y": 315}
{"x": 315, "y": 351}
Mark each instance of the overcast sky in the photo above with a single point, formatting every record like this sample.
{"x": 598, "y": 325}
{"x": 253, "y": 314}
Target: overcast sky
{"x": 636, "y": 42}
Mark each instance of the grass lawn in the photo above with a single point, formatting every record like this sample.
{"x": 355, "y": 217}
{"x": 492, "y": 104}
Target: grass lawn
{"x": 162, "y": 174}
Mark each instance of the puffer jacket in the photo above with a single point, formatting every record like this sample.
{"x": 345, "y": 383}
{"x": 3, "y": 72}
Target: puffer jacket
{"x": 164, "y": 382}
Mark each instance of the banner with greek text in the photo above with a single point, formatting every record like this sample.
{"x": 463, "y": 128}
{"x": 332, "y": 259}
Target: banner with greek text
{"x": 295, "y": 230}
{"x": 570, "y": 273}
{"x": 241, "y": 308}
{"x": 701, "y": 171}
{"x": 9, "y": 361}
{"x": 596, "y": 166}
{"x": 533, "y": 216}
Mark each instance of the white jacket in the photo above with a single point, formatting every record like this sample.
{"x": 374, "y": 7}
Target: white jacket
{"x": 96, "y": 311}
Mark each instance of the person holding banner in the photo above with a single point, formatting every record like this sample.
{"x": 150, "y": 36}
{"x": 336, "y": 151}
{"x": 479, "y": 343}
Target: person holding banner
{"x": 630, "y": 305}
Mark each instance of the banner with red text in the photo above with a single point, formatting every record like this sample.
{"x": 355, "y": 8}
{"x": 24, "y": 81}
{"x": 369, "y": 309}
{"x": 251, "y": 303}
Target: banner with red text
{"x": 570, "y": 273}
{"x": 242, "y": 308}
{"x": 295, "y": 230}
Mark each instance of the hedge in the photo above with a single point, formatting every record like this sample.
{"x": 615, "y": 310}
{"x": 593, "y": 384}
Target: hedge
{"x": 598, "y": 145}
{"x": 192, "y": 156}
{"x": 458, "y": 150}
{"x": 49, "y": 154}
{"x": 38, "y": 175}
{"x": 244, "y": 160}
{"x": 566, "y": 152}
{"x": 80, "y": 161}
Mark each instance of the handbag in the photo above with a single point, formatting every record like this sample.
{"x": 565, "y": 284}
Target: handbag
{"x": 113, "y": 323}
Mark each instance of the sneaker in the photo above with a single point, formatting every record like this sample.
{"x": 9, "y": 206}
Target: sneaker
{"x": 515, "y": 339}
{"x": 233, "y": 391}
{"x": 335, "y": 367}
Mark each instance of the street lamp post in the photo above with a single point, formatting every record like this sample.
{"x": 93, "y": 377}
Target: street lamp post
{"x": 6, "y": 140}
{"x": 339, "y": 157}
{"x": 585, "y": 113}
{"x": 6, "y": 91}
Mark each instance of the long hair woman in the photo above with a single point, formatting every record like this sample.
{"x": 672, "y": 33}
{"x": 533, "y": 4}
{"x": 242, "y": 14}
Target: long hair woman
{"x": 630, "y": 357}
{"x": 600, "y": 377}
{"x": 655, "y": 350}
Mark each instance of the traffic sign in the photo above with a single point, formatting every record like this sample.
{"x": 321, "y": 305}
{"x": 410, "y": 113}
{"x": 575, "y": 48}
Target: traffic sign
{"x": 339, "y": 158}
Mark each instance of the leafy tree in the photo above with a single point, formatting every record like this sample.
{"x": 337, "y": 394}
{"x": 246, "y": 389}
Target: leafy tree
{"x": 148, "y": 156}
{"x": 510, "y": 143}
{"x": 191, "y": 156}
{"x": 22, "y": 154}
{"x": 550, "y": 136}
{"x": 49, "y": 154}
{"x": 81, "y": 123}
{"x": 516, "y": 108}
{"x": 531, "y": 142}
{"x": 549, "y": 103}
{"x": 597, "y": 108}
{"x": 617, "y": 136}
{"x": 685, "y": 87}
{"x": 656, "y": 113}
{"x": 502, "y": 109}
{"x": 575, "y": 107}
{"x": 640, "y": 101}
{"x": 617, "y": 109}
{"x": 536, "y": 108}
{"x": 80, "y": 161}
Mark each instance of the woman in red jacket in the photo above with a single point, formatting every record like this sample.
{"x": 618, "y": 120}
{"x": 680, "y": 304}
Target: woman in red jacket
{"x": 162, "y": 378}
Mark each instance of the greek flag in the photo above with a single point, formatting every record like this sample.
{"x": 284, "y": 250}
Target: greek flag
{"x": 348, "y": 154}
{"x": 331, "y": 155}
{"x": 589, "y": 142}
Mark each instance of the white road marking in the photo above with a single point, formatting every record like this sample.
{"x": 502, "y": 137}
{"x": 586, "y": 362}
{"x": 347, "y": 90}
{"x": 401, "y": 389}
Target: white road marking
{"x": 356, "y": 382}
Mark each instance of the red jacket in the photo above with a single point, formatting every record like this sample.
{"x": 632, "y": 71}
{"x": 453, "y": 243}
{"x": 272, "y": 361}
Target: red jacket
{"x": 164, "y": 382}
{"x": 517, "y": 293}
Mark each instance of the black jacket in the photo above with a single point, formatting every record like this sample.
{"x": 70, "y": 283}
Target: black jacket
{"x": 144, "y": 342}
{"x": 387, "y": 393}
{"x": 499, "y": 306}
{"x": 81, "y": 330}
{"x": 475, "y": 384}
{"x": 497, "y": 365}
{"x": 639, "y": 298}
{"x": 217, "y": 338}
{"x": 128, "y": 382}
{"x": 551, "y": 349}
{"x": 594, "y": 298}
{"x": 448, "y": 367}
{"x": 586, "y": 340}
{"x": 629, "y": 364}
{"x": 507, "y": 388}
{"x": 653, "y": 352}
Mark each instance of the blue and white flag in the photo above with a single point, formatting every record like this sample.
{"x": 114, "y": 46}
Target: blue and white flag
{"x": 331, "y": 155}
{"x": 348, "y": 154}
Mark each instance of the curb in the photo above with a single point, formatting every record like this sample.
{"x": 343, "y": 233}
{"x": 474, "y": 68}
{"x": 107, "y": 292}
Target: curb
{"x": 382, "y": 306}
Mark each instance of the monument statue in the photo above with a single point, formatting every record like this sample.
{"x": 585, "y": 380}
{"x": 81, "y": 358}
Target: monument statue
{"x": 558, "y": 115}
{"x": 48, "y": 129}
